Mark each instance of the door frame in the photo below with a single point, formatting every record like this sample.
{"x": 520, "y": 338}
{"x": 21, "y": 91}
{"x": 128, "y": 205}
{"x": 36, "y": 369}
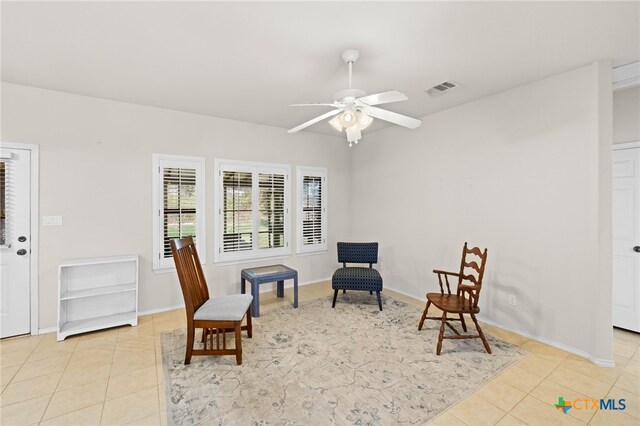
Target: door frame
{"x": 621, "y": 147}
{"x": 626, "y": 145}
{"x": 35, "y": 229}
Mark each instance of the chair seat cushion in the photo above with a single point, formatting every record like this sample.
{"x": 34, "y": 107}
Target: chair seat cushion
{"x": 354, "y": 278}
{"x": 452, "y": 303}
{"x": 224, "y": 308}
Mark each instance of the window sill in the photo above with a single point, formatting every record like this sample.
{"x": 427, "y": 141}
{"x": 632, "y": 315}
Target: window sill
{"x": 312, "y": 253}
{"x": 167, "y": 269}
{"x": 164, "y": 270}
{"x": 251, "y": 260}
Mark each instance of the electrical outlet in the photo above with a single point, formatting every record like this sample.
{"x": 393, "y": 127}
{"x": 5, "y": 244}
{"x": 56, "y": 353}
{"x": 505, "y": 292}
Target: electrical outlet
{"x": 512, "y": 300}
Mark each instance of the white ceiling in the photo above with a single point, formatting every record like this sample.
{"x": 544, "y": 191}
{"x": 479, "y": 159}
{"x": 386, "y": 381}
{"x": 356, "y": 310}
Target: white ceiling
{"x": 248, "y": 61}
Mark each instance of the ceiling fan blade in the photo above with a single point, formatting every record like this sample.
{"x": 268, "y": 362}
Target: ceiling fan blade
{"x": 315, "y": 120}
{"x": 383, "y": 98}
{"x": 333, "y": 105}
{"x": 392, "y": 117}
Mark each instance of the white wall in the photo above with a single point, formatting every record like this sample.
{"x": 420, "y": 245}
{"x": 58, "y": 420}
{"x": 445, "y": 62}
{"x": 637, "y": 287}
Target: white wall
{"x": 626, "y": 115}
{"x": 519, "y": 173}
{"x": 95, "y": 171}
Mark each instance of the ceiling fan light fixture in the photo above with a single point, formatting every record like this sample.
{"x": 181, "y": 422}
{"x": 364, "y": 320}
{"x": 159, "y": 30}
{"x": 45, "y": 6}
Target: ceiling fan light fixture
{"x": 348, "y": 118}
{"x": 335, "y": 123}
{"x": 364, "y": 120}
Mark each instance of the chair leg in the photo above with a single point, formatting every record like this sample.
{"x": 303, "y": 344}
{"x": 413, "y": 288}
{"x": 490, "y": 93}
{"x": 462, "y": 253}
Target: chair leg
{"x": 344, "y": 290}
{"x": 238, "y": 328}
{"x": 464, "y": 325}
{"x": 249, "y": 323}
{"x": 335, "y": 296}
{"x": 379, "y": 300}
{"x": 441, "y": 335}
{"x": 190, "y": 336}
{"x": 424, "y": 315}
{"x": 370, "y": 292}
{"x": 484, "y": 340}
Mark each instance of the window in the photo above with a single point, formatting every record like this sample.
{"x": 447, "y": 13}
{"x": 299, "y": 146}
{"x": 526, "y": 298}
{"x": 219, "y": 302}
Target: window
{"x": 178, "y": 205}
{"x": 312, "y": 209}
{"x": 252, "y": 206}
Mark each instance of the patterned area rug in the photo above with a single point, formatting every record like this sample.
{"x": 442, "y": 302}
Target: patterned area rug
{"x": 316, "y": 365}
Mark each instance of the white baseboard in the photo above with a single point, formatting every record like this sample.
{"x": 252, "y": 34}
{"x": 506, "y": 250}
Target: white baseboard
{"x": 47, "y": 330}
{"x": 424, "y": 300}
{"x": 597, "y": 361}
{"x": 159, "y": 310}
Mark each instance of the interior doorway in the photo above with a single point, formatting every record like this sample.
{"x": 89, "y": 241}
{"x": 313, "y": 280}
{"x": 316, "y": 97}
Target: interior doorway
{"x": 626, "y": 236}
{"x": 18, "y": 239}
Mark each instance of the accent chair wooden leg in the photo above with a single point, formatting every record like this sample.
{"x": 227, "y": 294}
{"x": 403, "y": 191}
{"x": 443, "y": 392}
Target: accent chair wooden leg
{"x": 249, "y": 323}
{"x": 335, "y": 296}
{"x": 344, "y": 290}
{"x": 238, "y": 328}
{"x": 370, "y": 292}
{"x": 464, "y": 325}
{"x": 190, "y": 336}
{"x": 379, "y": 300}
{"x": 484, "y": 340}
{"x": 441, "y": 335}
{"x": 424, "y": 315}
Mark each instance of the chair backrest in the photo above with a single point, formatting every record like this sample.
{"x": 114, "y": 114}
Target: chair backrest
{"x": 357, "y": 253}
{"x": 192, "y": 281}
{"x": 471, "y": 269}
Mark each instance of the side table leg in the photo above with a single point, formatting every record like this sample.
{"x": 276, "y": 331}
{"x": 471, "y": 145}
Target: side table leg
{"x": 255, "y": 304}
{"x": 280, "y": 289}
{"x": 295, "y": 290}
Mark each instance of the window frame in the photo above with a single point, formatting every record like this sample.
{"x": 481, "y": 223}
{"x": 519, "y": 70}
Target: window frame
{"x": 159, "y": 162}
{"x": 321, "y": 172}
{"x": 255, "y": 168}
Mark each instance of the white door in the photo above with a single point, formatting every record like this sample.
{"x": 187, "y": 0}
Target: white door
{"x": 15, "y": 241}
{"x": 626, "y": 238}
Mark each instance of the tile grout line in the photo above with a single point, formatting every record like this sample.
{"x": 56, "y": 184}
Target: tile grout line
{"x": 57, "y": 384}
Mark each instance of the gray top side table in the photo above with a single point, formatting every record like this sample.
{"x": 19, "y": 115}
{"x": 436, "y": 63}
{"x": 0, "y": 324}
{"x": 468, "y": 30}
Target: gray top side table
{"x": 268, "y": 274}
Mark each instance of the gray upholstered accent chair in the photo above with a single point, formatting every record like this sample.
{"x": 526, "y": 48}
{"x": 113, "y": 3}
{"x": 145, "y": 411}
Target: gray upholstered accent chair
{"x": 357, "y": 278}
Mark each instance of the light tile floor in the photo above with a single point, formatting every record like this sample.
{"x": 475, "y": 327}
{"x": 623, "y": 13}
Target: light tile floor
{"x": 115, "y": 377}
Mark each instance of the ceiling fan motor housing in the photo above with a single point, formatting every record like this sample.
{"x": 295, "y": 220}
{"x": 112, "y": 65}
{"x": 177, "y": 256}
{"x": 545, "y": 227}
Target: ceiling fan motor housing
{"x": 348, "y": 95}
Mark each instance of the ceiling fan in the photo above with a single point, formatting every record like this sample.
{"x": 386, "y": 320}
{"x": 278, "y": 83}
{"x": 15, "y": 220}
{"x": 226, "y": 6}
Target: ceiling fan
{"x": 354, "y": 109}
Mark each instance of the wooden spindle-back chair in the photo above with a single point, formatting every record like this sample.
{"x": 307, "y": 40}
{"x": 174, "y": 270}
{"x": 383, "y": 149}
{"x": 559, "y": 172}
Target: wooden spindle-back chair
{"x": 465, "y": 299}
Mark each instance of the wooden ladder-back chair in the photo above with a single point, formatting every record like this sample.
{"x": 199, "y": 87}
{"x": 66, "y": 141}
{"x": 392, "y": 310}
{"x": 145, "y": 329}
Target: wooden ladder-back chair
{"x": 464, "y": 301}
{"x": 216, "y": 316}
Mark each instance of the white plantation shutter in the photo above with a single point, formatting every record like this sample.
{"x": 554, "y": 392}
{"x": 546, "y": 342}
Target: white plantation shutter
{"x": 252, "y": 202}
{"x": 178, "y": 205}
{"x": 312, "y": 209}
{"x": 272, "y": 210}
{"x": 237, "y": 211}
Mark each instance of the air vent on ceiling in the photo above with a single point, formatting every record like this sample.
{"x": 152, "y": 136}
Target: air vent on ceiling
{"x": 441, "y": 89}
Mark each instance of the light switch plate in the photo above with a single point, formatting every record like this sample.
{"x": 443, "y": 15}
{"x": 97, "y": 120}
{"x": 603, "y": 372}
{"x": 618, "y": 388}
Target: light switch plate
{"x": 51, "y": 220}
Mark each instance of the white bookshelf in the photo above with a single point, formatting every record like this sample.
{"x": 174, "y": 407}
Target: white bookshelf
{"x": 97, "y": 293}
